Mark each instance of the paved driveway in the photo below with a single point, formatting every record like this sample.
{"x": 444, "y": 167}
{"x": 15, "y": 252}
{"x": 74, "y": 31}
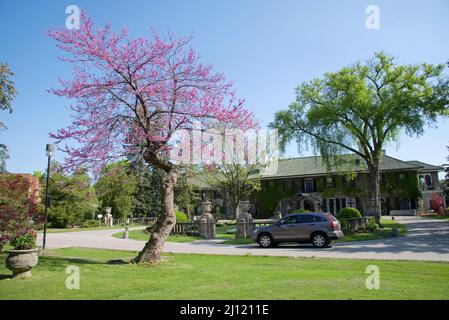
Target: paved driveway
{"x": 427, "y": 239}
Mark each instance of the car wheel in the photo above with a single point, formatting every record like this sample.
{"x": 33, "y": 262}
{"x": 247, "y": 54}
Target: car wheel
{"x": 319, "y": 240}
{"x": 265, "y": 240}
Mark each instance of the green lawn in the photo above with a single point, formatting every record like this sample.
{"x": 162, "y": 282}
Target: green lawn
{"x": 60, "y": 230}
{"x": 184, "y": 276}
{"x": 227, "y": 233}
{"x": 388, "y": 225}
{"x": 141, "y": 235}
{"x": 221, "y": 234}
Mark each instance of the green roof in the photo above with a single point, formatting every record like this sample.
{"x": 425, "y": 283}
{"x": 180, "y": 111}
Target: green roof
{"x": 425, "y": 166}
{"x": 312, "y": 166}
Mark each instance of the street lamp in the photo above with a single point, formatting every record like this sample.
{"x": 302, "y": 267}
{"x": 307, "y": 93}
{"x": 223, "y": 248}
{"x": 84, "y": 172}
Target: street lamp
{"x": 50, "y": 150}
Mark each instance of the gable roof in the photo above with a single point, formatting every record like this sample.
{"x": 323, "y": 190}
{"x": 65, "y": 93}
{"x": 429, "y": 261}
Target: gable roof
{"x": 312, "y": 166}
{"x": 425, "y": 166}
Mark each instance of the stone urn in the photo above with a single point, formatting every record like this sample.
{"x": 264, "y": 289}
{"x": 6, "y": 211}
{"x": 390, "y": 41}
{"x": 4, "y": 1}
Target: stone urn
{"x": 20, "y": 262}
{"x": 244, "y": 206}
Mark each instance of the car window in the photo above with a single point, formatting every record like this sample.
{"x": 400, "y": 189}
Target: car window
{"x": 305, "y": 218}
{"x": 289, "y": 220}
{"x": 319, "y": 219}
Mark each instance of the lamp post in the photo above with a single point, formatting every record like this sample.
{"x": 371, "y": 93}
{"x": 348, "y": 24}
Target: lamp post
{"x": 50, "y": 150}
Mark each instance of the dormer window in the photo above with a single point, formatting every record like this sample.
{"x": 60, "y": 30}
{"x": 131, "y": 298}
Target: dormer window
{"x": 425, "y": 181}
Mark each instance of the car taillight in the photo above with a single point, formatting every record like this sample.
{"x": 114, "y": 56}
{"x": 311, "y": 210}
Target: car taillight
{"x": 332, "y": 221}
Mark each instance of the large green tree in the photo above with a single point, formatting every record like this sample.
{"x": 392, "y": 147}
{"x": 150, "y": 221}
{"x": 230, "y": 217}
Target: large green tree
{"x": 362, "y": 107}
{"x": 187, "y": 196}
{"x": 7, "y": 93}
{"x": 148, "y": 190}
{"x": 115, "y": 188}
{"x": 72, "y": 196}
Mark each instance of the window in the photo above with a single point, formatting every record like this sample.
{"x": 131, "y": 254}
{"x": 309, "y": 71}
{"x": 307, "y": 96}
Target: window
{"x": 305, "y": 218}
{"x": 425, "y": 181}
{"x": 271, "y": 184}
{"x": 289, "y": 220}
{"x": 324, "y": 205}
{"x": 331, "y": 205}
{"x": 319, "y": 219}
{"x": 288, "y": 184}
{"x": 350, "y": 202}
{"x": 405, "y": 204}
{"x": 308, "y": 185}
{"x": 428, "y": 179}
{"x": 329, "y": 182}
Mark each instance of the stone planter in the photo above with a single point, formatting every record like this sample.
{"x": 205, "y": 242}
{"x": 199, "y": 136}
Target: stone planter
{"x": 20, "y": 262}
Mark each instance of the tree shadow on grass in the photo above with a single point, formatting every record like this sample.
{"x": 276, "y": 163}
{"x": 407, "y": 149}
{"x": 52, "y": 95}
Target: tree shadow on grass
{"x": 55, "y": 261}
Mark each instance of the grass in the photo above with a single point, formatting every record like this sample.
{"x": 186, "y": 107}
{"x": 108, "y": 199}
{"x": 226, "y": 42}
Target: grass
{"x": 63, "y": 230}
{"x": 222, "y": 233}
{"x": 388, "y": 225}
{"x": 184, "y": 276}
{"x": 141, "y": 235}
{"x": 227, "y": 233}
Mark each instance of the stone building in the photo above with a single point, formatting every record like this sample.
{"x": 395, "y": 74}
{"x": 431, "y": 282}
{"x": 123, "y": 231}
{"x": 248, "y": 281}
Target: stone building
{"x": 307, "y": 183}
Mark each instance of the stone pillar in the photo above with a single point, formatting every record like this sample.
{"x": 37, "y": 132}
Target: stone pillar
{"x": 203, "y": 227}
{"x": 245, "y": 223}
{"x": 207, "y": 221}
{"x": 108, "y": 217}
{"x": 241, "y": 228}
{"x": 212, "y": 234}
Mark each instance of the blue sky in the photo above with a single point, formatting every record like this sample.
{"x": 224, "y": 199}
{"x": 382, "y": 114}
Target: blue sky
{"x": 266, "y": 47}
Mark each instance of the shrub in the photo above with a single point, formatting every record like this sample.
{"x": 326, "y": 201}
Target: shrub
{"x": 24, "y": 241}
{"x": 90, "y": 224}
{"x": 19, "y": 216}
{"x": 181, "y": 217}
{"x": 372, "y": 226}
{"x": 348, "y": 213}
{"x": 436, "y": 203}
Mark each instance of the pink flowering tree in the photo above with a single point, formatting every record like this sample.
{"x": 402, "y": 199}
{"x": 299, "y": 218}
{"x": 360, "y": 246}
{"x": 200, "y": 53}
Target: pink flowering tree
{"x": 132, "y": 95}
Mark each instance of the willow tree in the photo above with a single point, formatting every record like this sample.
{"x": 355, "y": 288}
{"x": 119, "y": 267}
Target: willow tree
{"x": 131, "y": 96}
{"x": 361, "y": 108}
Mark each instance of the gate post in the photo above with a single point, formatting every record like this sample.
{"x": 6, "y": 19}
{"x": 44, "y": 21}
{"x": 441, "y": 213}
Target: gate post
{"x": 241, "y": 228}
{"x": 245, "y": 223}
{"x": 207, "y": 222}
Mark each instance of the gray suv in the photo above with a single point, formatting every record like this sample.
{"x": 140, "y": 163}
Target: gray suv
{"x": 318, "y": 228}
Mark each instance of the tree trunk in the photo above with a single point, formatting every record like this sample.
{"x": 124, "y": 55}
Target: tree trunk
{"x": 374, "y": 192}
{"x": 235, "y": 208}
{"x": 152, "y": 251}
